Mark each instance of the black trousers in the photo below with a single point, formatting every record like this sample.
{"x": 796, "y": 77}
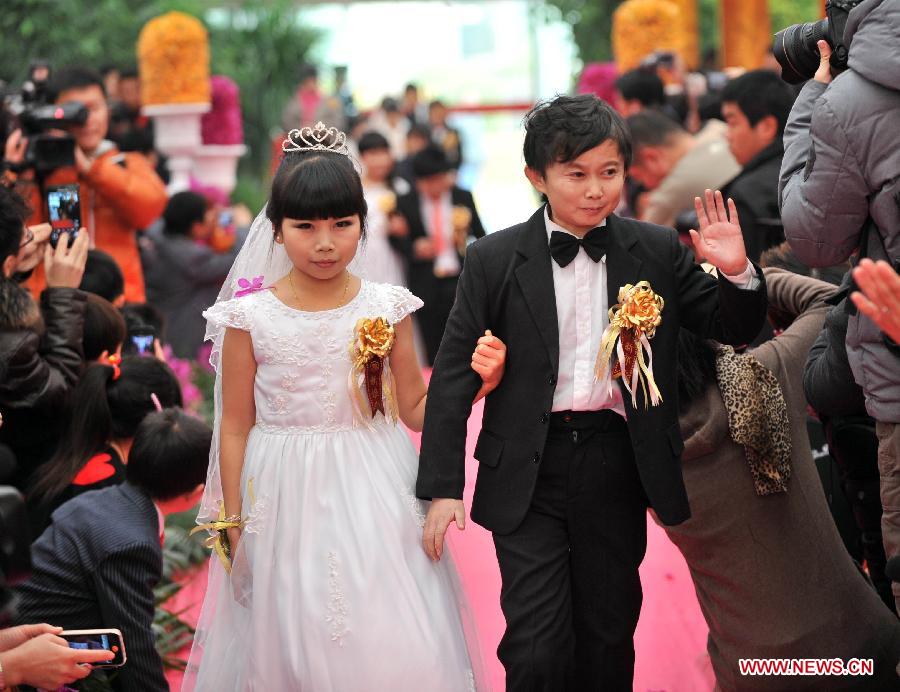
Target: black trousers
{"x": 571, "y": 592}
{"x": 438, "y": 294}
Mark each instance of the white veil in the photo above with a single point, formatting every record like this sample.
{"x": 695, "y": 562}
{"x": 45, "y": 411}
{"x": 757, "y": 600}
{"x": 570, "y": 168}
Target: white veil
{"x": 260, "y": 262}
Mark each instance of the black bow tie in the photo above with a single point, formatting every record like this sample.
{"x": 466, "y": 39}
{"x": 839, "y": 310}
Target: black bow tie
{"x": 564, "y": 247}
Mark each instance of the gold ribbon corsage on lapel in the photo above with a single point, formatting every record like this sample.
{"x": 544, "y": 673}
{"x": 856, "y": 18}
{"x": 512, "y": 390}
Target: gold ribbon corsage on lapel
{"x": 370, "y": 372}
{"x": 632, "y": 323}
{"x": 387, "y": 203}
{"x": 461, "y": 218}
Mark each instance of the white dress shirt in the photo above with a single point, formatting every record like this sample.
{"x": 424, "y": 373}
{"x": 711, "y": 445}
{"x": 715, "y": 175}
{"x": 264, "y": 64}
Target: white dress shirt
{"x": 582, "y": 316}
{"x": 446, "y": 263}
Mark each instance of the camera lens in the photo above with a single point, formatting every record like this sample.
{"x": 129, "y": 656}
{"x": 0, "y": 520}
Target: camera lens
{"x": 796, "y": 51}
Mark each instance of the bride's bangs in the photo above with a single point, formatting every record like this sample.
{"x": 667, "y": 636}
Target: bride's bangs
{"x": 320, "y": 187}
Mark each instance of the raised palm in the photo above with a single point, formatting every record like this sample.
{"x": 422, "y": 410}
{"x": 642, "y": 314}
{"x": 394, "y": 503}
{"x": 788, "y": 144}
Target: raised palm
{"x": 719, "y": 240}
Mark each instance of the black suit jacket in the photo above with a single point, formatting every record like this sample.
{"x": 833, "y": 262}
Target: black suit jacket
{"x": 507, "y": 286}
{"x": 94, "y": 567}
{"x": 420, "y": 273}
{"x": 755, "y": 194}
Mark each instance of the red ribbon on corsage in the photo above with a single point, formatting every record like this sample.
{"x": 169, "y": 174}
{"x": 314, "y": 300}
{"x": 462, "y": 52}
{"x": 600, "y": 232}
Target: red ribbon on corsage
{"x": 369, "y": 350}
{"x": 632, "y": 323}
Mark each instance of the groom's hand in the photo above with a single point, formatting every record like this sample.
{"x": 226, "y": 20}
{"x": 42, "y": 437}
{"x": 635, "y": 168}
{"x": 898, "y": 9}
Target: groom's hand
{"x": 440, "y": 515}
{"x": 719, "y": 239}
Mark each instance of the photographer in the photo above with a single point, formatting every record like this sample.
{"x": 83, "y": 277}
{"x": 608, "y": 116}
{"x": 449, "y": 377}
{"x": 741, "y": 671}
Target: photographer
{"x": 40, "y": 348}
{"x": 840, "y": 192}
{"x": 120, "y": 192}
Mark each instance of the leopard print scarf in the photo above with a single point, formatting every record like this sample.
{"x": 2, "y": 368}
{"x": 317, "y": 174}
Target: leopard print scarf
{"x": 757, "y": 418}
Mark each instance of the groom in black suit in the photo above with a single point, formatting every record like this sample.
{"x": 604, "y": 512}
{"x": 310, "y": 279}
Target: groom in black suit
{"x": 569, "y": 462}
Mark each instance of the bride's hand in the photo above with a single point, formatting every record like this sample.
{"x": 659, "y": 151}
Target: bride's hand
{"x": 234, "y": 537}
{"x": 489, "y": 361}
{"x": 441, "y": 513}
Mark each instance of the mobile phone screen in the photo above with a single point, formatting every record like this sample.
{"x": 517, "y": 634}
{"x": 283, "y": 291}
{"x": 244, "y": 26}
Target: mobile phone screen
{"x": 64, "y": 206}
{"x": 89, "y": 641}
{"x": 98, "y": 641}
{"x": 143, "y": 343}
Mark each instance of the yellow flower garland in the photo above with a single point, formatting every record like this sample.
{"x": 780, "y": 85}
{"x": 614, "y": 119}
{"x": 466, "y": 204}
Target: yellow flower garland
{"x": 173, "y": 57}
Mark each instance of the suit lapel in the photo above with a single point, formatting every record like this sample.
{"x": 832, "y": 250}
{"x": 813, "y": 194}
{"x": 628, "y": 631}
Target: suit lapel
{"x": 535, "y": 277}
{"x": 622, "y": 267}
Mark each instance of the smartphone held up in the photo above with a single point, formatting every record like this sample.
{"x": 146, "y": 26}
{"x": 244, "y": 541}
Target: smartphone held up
{"x": 64, "y": 209}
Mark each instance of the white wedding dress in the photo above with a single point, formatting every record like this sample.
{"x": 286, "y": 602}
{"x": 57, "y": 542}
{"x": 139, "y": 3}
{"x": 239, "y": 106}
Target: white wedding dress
{"x": 331, "y": 589}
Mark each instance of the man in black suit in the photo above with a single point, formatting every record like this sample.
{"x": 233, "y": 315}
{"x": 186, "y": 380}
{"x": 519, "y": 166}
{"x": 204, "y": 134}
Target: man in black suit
{"x": 446, "y": 137}
{"x": 569, "y": 462}
{"x": 756, "y": 107}
{"x": 96, "y": 565}
{"x": 441, "y": 219}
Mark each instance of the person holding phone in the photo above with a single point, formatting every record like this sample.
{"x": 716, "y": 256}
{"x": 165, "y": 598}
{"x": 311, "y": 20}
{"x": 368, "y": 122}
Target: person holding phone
{"x": 183, "y": 272}
{"x": 41, "y": 354}
{"x": 120, "y": 192}
{"x": 37, "y": 655}
{"x": 97, "y": 563}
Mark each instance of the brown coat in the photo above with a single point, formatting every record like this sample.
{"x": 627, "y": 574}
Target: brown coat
{"x": 772, "y": 576}
{"x": 120, "y": 195}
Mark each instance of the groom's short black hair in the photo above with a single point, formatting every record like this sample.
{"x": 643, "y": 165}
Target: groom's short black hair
{"x": 565, "y": 127}
{"x": 170, "y": 454}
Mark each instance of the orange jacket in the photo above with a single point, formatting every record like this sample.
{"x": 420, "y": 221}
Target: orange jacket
{"x": 119, "y": 194}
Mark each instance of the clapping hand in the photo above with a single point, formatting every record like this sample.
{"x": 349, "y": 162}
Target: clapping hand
{"x": 719, "y": 240}
{"x": 880, "y": 297}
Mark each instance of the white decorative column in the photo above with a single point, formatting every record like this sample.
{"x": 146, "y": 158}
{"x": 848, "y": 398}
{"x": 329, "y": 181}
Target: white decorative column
{"x": 176, "y": 128}
{"x": 216, "y": 165}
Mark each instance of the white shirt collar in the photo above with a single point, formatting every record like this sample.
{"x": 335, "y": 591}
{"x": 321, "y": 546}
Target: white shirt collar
{"x": 551, "y": 225}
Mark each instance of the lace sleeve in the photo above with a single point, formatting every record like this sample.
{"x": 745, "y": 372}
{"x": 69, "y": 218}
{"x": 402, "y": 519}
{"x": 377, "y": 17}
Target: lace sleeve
{"x": 400, "y": 303}
{"x": 235, "y": 313}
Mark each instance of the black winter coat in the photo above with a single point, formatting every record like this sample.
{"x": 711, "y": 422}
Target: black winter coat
{"x": 38, "y": 370}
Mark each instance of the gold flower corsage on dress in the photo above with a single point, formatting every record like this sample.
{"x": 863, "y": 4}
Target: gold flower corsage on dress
{"x": 632, "y": 323}
{"x": 371, "y": 381}
{"x": 461, "y": 217}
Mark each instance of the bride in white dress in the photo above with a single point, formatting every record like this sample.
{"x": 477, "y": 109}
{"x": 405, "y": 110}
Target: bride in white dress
{"x": 311, "y": 476}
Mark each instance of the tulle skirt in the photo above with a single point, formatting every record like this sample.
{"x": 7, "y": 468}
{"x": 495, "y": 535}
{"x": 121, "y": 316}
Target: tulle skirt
{"x": 331, "y": 589}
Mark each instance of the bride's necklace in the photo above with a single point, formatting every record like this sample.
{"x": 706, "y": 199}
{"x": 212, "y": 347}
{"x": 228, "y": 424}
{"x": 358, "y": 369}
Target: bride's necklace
{"x": 297, "y": 298}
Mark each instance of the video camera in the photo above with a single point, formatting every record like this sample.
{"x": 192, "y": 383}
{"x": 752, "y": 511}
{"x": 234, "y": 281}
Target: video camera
{"x": 795, "y": 47}
{"x": 46, "y": 151}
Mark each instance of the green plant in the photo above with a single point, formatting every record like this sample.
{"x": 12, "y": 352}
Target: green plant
{"x": 280, "y": 44}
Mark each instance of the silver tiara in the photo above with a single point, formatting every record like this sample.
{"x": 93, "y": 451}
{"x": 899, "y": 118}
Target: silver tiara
{"x": 318, "y": 138}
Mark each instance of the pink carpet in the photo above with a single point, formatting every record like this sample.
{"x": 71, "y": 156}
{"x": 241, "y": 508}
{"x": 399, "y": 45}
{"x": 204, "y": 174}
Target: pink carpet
{"x": 671, "y": 636}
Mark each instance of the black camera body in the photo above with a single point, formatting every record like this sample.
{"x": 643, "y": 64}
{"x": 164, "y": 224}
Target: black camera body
{"x": 46, "y": 152}
{"x": 795, "y": 47}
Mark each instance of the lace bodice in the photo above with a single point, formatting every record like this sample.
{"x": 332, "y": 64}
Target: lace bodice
{"x": 303, "y": 358}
